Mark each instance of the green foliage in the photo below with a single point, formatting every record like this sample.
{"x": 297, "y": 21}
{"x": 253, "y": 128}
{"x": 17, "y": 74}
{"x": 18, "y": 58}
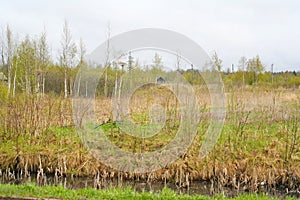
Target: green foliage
{"x": 30, "y": 190}
{"x": 255, "y": 65}
{"x": 216, "y": 62}
{"x": 157, "y": 62}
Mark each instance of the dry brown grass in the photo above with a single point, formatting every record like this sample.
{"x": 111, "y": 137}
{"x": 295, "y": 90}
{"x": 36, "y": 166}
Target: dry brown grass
{"x": 259, "y": 145}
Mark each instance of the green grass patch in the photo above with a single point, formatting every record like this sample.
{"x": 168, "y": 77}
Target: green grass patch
{"x": 30, "y": 190}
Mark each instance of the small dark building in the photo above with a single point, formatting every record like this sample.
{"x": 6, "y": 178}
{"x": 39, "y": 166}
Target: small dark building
{"x": 160, "y": 80}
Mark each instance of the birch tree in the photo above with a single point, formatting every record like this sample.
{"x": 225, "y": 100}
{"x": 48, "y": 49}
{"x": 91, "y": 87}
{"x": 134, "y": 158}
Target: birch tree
{"x": 27, "y": 64}
{"x": 106, "y": 65}
{"x": 2, "y": 41}
{"x": 81, "y": 65}
{"x": 242, "y": 66}
{"x": 216, "y": 61}
{"x": 44, "y": 61}
{"x": 67, "y": 57}
{"x": 255, "y": 67}
{"x": 7, "y": 56}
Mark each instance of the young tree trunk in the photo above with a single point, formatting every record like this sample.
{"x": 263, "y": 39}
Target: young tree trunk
{"x": 65, "y": 84}
{"x": 78, "y": 86}
{"x": 14, "y": 85}
{"x": 43, "y": 85}
{"x": 26, "y": 81}
{"x": 116, "y": 83}
{"x": 105, "y": 83}
{"x": 118, "y": 117}
{"x": 71, "y": 88}
{"x": 8, "y": 78}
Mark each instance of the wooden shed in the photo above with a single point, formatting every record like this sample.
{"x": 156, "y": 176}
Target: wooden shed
{"x": 160, "y": 80}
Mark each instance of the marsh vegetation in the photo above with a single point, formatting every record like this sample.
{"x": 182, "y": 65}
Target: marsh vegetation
{"x": 258, "y": 150}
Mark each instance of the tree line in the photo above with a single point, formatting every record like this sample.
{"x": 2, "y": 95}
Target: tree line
{"x": 29, "y": 68}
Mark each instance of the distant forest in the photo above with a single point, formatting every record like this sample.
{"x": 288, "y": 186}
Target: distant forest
{"x": 27, "y": 67}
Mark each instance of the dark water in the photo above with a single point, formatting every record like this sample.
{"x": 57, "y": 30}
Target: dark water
{"x": 208, "y": 188}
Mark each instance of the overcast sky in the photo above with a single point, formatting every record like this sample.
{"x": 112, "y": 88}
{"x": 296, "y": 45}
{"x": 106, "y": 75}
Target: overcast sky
{"x": 232, "y": 28}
